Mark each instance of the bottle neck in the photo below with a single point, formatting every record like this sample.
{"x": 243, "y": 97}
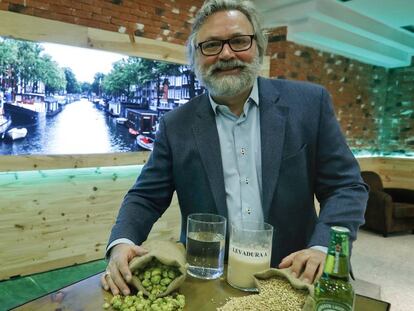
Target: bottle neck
{"x": 337, "y": 259}
{"x": 337, "y": 267}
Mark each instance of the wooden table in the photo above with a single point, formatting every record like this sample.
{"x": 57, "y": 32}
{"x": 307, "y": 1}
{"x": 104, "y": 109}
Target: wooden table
{"x": 87, "y": 295}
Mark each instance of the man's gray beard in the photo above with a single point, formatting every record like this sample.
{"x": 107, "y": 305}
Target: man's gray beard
{"x": 228, "y": 85}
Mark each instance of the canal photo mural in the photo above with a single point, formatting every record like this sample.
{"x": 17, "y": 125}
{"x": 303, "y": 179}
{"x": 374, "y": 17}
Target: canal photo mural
{"x": 46, "y": 109}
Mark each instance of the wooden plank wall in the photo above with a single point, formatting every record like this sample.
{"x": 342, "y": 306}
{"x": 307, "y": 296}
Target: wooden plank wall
{"x": 57, "y": 218}
{"x": 394, "y": 172}
{"x": 52, "y": 215}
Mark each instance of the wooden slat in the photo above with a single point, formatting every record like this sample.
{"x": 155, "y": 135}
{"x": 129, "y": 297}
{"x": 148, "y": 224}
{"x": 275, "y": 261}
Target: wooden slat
{"x": 140, "y": 47}
{"x": 394, "y": 172}
{"x": 265, "y": 71}
{"x": 46, "y": 162}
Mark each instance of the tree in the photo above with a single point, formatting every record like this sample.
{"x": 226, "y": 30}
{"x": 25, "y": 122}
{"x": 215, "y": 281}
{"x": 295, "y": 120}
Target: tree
{"x": 137, "y": 71}
{"x": 72, "y": 84}
{"x": 51, "y": 74}
{"x": 97, "y": 83}
{"x": 8, "y": 63}
{"x": 29, "y": 65}
{"x": 22, "y": 62}
{"x": 86, "y": 88}
{"x": 118, "y": 82}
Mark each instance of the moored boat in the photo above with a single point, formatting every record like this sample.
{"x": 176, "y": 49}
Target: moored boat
{"x": 16, "y": 133}
{"x": 121, "y": 120}
{"x": 99, "y": 103}
{"x": 145, "y": 142}
{"x": 53, "y": 107}
{"x": 5, "y": 123}
{"x": 26, "y": 108}
{"x": 141, "y": 121}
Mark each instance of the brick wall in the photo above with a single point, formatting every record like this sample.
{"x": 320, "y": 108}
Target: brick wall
{"x": 374, "y": 105}
{"x": 168, "y": 20}
{"x": 397, "y": 127}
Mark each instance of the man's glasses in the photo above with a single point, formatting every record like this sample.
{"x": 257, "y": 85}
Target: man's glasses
{"x": 237, "y": 44}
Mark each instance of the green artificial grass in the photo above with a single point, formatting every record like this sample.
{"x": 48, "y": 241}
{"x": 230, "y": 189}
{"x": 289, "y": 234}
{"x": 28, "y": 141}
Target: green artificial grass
{"x": 20, "y": 290}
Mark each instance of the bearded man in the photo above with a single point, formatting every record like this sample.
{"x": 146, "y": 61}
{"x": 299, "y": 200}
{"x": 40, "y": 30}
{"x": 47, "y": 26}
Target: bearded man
{"x": 249, "y": 149}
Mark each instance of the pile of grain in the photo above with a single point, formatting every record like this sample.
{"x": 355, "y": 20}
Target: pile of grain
{"x": 276, "y": 294}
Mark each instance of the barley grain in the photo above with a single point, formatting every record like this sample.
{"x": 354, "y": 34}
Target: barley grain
{"x": 276, "y": 294}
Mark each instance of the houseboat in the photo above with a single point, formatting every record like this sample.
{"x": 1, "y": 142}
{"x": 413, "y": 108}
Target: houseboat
{"x": 114, "y": 108}
{"x": 53, "y": 107}
{"x": 26, "y": 108}
{"x": 141, "y": 121}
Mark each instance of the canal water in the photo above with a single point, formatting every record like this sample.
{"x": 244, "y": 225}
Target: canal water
{"x": 78, "y": 129}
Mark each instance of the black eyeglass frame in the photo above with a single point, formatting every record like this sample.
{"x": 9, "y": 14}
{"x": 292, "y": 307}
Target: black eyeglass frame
{"x": 223, "y": 42}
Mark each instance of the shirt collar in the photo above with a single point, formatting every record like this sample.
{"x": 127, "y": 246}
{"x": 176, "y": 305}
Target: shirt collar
{"x": 253, "y": 97}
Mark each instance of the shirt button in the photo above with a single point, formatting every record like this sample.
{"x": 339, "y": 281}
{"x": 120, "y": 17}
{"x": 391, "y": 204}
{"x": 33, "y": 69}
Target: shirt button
{"x": 247, "y": 181}
{"x": 243, "y": 151}
{"x": 248, "y": 211}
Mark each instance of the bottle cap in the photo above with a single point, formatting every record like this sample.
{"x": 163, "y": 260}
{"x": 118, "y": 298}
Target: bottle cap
{"x": 340, "y": 229}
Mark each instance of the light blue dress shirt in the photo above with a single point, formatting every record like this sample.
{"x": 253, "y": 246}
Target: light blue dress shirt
{"x": 240, "y": 149}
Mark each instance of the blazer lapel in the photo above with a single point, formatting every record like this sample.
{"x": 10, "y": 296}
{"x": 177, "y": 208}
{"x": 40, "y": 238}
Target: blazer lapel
{"x": 208, "y": 144}
{"x": 273, "y": 116}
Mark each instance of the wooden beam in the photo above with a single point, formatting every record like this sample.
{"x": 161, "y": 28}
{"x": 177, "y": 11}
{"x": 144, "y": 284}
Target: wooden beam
{"x": 44, "y": 162}
{"x": 394, "y": 172}
{"x": 20, "y": 26}
{"x": 265, "y": 71}
{"x": 141, "y": 47}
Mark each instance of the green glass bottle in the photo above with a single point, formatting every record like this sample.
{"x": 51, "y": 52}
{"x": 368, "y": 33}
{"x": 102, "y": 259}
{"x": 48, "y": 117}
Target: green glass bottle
{"x": 333, "y": 291}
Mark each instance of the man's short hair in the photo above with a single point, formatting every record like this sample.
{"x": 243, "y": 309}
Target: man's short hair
{"x": 213, "y": 6}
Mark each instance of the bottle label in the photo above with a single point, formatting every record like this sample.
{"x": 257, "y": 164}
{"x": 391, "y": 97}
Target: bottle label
{"x": 332, "y": 306}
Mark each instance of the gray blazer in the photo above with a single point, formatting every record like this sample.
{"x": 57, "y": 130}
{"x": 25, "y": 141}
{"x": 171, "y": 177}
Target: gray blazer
{"x": 303, "y": 153}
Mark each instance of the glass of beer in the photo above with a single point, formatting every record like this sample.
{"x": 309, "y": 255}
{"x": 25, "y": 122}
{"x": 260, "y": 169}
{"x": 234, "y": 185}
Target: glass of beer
{"x": 206, "y": 236}
{"x": 250, "y": 251}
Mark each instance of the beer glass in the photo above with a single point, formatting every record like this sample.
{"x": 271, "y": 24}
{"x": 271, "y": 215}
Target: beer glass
{"x": 250, "y": 251}
{"x": 206, "y": 236}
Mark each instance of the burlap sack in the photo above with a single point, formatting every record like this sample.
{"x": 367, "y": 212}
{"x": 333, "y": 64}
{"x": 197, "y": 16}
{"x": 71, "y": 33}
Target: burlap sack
{"x": 167, "y": 252}
{"x": 294, "y": 281}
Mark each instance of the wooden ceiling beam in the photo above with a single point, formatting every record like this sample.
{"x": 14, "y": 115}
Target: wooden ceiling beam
{"x": 20, "y": 26}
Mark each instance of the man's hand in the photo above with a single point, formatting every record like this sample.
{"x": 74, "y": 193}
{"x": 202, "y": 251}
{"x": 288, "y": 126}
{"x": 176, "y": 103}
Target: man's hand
{"x": 117, "y": 273}
{"x": 306, "y": 264}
